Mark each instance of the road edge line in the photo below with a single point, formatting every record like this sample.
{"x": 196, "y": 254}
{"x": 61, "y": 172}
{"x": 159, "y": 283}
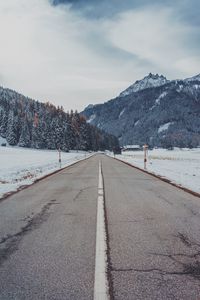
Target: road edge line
{"x": 101, "y": 286}
{"x": 166, "y": 180}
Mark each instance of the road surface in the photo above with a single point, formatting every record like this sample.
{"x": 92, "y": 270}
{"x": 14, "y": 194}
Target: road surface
{"x": 48, "y": 236}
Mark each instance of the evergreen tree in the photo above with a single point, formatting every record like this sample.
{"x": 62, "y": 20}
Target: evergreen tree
{"x": 4, "y": 122}
{"x": 24, "y": 140}
{"x": 11, "y": 134}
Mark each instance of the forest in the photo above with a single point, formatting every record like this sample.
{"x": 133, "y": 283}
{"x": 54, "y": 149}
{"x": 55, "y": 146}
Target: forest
{"x": 28, "y": 123}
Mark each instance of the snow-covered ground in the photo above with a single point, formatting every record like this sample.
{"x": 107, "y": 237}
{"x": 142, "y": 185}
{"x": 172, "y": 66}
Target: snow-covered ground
{"x": 3, "y": 141}
{"x": 179, "y": 166}
{"x": 19, "y": 166}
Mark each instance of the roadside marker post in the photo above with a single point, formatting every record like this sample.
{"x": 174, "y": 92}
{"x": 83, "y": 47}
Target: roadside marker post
{"x": 59, "y": 159}
{"x": 145, "y": 147}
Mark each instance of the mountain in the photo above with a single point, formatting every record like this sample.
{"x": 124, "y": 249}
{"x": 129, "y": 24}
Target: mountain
{"x": 147, "y": 82}
{"x": 28, "y": 123}
{"x": 194, "y": 78}
{"x": 153, "y": 110}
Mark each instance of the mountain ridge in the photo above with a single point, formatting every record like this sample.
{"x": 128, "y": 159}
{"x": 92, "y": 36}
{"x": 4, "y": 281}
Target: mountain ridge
{"x": 142, "y": 116}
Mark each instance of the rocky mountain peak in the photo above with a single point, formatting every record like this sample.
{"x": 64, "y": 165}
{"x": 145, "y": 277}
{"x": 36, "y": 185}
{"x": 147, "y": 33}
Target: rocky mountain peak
{"x": 149, "y": 81}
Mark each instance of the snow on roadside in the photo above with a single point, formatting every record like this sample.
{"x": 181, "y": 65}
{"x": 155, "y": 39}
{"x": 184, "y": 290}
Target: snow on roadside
{"x": 3, "y": 141}
{"x": 179, "y": 166}
{"x": 20, "y": 166}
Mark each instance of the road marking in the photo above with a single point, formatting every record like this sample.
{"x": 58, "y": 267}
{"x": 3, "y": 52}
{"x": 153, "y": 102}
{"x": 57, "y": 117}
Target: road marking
{"x": 100, "y": 177}
{"x": 101, "y": 291}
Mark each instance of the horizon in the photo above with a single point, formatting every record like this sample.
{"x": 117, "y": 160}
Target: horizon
{"x": 100, "y": 102}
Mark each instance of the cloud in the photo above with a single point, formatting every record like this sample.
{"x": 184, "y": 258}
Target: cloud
{"x": 47, "y": 53}
{"x": 157, "y": 36}
{"x": 68, "y": 55}
{"x": 187, "y": 9}
{"x": 99, "y": 9}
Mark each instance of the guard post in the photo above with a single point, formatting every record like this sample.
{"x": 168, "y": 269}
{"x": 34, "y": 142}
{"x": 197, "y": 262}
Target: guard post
{"x": 145, "y": 147}
{"x": 59, "y": 159}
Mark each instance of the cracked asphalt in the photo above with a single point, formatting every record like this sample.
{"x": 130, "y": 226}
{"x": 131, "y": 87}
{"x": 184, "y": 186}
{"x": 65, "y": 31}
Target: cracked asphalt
{"x": 48, "y": 236}
{"x": 154, "y": 236}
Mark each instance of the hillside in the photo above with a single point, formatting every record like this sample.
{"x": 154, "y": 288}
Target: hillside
{"x": 28, "y": 123}
{"x": 154, "y": 110}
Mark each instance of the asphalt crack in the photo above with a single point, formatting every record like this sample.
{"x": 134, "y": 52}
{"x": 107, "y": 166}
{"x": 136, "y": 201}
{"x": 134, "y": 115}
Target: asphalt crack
{"x": 108, "y": 254}
{"x": 184, "y": 239}
{"x": 191, "y": 268}
{"x": 165, "y": 200}
{"x": 9, "y": 243}
{"x": 81, "y": 191}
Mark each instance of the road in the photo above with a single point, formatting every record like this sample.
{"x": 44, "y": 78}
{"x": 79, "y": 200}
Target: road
{"x": 48, "y": 236}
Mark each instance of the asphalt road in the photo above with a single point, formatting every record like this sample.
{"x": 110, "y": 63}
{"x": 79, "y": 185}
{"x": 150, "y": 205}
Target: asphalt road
{"x": 48, "y": 232}
{"x": 48, "y": 236}
{"x": 154, "y": 236}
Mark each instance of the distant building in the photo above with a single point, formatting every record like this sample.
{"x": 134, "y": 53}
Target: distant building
{"x": 132, "y": 148}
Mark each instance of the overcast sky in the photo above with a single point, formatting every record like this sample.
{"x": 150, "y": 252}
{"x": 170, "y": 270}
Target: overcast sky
{"x": 86, "y": 51}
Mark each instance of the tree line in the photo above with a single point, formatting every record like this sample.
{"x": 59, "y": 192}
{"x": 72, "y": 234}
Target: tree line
{"x": 29, "y": 123}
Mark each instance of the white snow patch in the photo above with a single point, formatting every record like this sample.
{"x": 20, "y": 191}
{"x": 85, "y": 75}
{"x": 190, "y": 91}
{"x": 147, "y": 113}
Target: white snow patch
{"x": 151, "y": 108}
{"x": 180, "y": 88}
{"x": 21, "y": 166}
{"x": 157, "y": 101}
{"x": 121, "y": 113}
{"x": 160, "y": 97}
{"x": 180, "y": 166}
{"x": 137, "y": 122}
{"x": 92, "y": 117}
{"x": 3, "y": 141}
{"x": 164, "y": 127}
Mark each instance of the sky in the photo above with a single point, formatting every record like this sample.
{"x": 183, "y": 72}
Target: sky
{"x": 79, "y": 52}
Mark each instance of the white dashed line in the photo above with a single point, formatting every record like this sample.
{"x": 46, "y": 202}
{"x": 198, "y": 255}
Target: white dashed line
{"x": 101, "y": 291}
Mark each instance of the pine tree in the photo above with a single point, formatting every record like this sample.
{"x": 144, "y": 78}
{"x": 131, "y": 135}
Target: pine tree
{"x": 24, "y": 140}
{"x": 4, "y": 121}
{"x": 11, "y": 134}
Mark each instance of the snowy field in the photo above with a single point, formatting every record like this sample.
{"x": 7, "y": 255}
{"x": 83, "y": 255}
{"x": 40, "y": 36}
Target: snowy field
{"x": 19, "y": 166}
{"x": 179, "y": 166}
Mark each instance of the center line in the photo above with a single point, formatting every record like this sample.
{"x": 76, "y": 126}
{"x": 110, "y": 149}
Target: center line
{"x": 101, "y": 291}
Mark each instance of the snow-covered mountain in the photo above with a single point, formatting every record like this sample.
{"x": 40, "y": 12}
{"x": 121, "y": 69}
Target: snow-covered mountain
{"x": 153, "y": 110}
{"x": 148, "y": 81}
{"x": 194, "y": 78}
